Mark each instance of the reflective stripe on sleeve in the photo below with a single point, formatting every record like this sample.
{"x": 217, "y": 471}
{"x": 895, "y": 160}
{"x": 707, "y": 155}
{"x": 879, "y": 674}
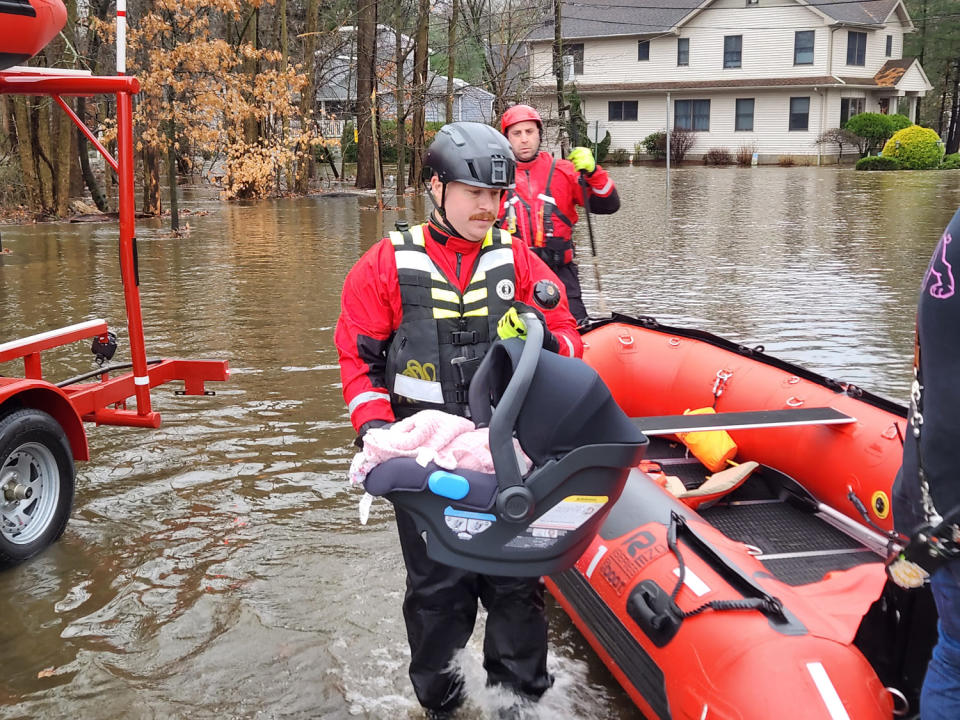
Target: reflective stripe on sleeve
{"x": 569, "y": 345}
{"x": 365, "y": 397}
{"x": 605, "y": 190}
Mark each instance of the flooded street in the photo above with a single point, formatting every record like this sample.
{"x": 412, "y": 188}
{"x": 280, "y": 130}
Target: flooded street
{"x": 215, "y": 567}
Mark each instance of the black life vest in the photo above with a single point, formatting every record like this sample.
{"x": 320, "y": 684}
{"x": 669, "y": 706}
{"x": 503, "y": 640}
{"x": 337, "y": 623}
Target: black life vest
{"x": 444, "y": 334}
{"x": 548, "y": 232}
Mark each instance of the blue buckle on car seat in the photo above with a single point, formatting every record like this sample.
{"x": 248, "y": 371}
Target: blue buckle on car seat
{"x": 448, "y": 485}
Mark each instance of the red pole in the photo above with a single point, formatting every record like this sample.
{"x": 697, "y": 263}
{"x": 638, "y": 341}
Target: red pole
{"x": 128, "y": 253}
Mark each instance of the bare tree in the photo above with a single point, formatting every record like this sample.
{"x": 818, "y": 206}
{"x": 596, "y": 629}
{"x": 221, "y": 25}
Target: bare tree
{"x": 366, "y": 84}
{"x": 419, "y": 99}
{"x": 502, "y": 26}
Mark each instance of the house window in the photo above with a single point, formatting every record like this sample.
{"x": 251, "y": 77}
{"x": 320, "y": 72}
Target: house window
{"x": 856, "y": 48}
{"x": 889, "y": 45}
{"x": 799, "y": 113}
{"x": 622, "y": 110}
{"x": 683, "y": 51}
{"x": 744, "y": 118}
{"x": 575, "y": 50}
{"x": 692, "y": 115}
{"x": 803, "y": 47}
{"x": 643, "y": 50}
{"x": 850, "y": 107}
{"x": 732, "y": 47}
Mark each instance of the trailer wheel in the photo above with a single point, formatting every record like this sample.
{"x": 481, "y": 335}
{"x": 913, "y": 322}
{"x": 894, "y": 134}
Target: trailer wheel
{"x": 36, "y": 483}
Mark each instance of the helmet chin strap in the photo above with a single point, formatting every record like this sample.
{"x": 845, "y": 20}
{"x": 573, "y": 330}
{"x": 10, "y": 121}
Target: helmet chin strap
{"x": 441, "y": 216}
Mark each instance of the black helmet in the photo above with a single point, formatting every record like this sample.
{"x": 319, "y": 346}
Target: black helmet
{"x": 471, "y": 153}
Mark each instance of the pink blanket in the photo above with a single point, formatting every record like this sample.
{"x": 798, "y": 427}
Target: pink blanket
{"x": 448, "y": 440}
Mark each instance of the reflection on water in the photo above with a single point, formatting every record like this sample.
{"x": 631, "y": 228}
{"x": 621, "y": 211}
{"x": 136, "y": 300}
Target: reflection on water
{"x": 215, "y": 567}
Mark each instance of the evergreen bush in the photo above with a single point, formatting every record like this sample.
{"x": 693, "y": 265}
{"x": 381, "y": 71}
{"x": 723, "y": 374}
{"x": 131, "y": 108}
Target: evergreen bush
{"x": 878, "y": 162}
{"x": 875, "y": 128}
{"x": 950, "y": 162}
{"x": 915, "y": 147}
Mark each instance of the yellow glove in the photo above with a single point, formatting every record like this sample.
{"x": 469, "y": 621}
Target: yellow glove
{"x": 582, "y": 160}
{"x": 511, "y": 325}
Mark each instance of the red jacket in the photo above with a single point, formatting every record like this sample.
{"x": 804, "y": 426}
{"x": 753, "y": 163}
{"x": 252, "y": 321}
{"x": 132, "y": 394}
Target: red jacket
{"x": 544, "y": 216}
{"x": 371, "y": 311}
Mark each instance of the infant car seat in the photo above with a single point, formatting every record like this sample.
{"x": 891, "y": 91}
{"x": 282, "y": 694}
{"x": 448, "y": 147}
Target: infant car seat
{"x": 582, "y": 447}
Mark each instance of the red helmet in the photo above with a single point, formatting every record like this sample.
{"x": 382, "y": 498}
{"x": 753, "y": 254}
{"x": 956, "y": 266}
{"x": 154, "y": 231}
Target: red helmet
{"x": 517, "y": 114}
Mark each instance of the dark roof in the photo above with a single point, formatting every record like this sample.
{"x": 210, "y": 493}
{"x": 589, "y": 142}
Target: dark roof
{"x": 893, "y": 71}
{"x": 868, "y": 12}
{"x": 600, "y": 18}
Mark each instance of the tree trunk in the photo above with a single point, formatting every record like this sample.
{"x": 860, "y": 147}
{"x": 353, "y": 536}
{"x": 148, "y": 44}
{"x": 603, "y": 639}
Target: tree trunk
{"x": 28, "y": 168}
{"x": 451, "y": 54}
{"x": 64, "y": 160}
{"x": 99, "y": 199}
{"x": 558, "y": 73}
{"x": 41, "y": 148}
{"x": 151, "y": 182}
{"x": 366, "y": 58}
{"x": 251, "y": 128}
{"x": 419, "y": 97}
{"x": 399, "y": 56}
{"x": 306, "y": 167}
{"x": 284, "y": 61}
{"x": 953, "y": 136}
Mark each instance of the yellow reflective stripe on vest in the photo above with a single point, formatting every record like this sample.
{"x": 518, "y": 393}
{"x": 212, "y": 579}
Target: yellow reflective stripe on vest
{"x": 473, "y": 296}
{"x": 479, "y": 312}
{"x": 445, "y": 295}
{"x": 416, "y": 234}
{"x": 442, "y": 314}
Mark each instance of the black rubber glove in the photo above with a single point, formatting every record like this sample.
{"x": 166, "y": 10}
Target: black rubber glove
{"x": 550, "y": 341}
{"x": 369, "y": 425}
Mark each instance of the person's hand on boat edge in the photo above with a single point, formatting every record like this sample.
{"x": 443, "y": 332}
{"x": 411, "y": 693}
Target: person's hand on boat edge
{"x": 582, "y": 159}
{"x": 512, "y": 324}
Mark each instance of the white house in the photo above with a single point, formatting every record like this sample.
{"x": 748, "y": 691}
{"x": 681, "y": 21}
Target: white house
{"x": 768, "y": 74}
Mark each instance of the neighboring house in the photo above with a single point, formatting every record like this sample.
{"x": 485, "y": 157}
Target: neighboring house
{"x": 337, "y": 89}
{"x": 768, "y": 74}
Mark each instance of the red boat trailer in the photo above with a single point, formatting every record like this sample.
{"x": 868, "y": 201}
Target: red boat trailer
{"x": 41, "y": 423}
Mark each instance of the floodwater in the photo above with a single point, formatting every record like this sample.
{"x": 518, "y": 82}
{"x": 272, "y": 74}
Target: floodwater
{"x": 215, "y": 567}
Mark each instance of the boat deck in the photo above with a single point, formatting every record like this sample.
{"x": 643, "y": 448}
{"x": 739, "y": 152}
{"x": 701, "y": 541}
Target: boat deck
{"x": 794, "y": 543}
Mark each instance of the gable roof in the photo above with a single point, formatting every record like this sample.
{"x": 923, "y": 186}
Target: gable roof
{"x": 610, "y": 18}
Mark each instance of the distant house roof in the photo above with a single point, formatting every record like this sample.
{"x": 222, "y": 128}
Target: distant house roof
{"x": 605, "y": 18}
{"x": 892, "y": 71}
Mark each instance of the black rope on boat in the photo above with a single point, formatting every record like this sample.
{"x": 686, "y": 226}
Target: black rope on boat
{"x": 767, "y": 604}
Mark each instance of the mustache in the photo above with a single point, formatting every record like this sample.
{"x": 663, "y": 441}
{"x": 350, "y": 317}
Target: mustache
{"x": 490, "y": 217}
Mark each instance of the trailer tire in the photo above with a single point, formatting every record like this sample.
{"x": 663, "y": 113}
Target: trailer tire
{"x": 36, "y": 483}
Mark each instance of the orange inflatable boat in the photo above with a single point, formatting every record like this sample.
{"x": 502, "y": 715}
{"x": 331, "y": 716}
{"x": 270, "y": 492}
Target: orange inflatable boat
{"x": 754, "y": 588}
{"x": 26, "y": 26}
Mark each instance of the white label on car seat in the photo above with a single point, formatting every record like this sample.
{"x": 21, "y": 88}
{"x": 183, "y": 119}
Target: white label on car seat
{"x": 572, "y": 512}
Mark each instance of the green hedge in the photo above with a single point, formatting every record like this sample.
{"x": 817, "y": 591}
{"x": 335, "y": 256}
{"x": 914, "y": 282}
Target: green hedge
{"x": 950, "y": 162}
{"x": 917, "y": 148}
{"x": 876, "y": 162}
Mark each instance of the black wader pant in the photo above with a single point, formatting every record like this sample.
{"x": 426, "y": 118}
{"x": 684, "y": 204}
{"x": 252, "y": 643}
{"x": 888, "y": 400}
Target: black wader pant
{"x": 569, "y": 275}
{"x": 440, "y": 608}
